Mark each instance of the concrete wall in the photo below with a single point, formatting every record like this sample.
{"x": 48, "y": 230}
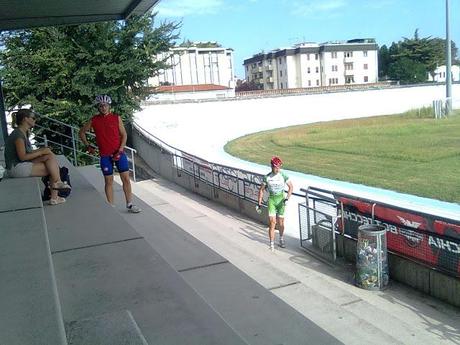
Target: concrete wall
{"x": 161, "y": 161}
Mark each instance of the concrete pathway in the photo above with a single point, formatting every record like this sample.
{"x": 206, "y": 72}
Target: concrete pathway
{"x": 322, "y": 293}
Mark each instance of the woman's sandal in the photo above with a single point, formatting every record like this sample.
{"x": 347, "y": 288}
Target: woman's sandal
{"x": 56, "y": 201}
{"x": 61, "y": 186}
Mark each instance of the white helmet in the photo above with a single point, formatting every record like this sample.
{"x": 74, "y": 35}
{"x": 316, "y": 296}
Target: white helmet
{"x": 103, "y": 99}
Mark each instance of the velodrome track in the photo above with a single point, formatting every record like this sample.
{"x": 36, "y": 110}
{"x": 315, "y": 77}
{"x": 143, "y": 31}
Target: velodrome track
{"x": 203, "y": 128}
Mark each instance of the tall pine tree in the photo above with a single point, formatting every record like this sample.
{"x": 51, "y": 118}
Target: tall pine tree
{"x": 59, "y": 70}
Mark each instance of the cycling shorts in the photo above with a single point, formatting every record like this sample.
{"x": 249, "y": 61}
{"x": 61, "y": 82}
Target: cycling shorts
{"x": 107, "y": 164}
{"x": 276, "y": 205}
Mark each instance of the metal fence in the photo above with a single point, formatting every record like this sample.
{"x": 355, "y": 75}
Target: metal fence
{"x": 318, "y": 216}
{"x": 242, "y": 183}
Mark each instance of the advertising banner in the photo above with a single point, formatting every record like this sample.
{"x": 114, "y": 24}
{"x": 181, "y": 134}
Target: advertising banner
{"x": 423, "y": 237}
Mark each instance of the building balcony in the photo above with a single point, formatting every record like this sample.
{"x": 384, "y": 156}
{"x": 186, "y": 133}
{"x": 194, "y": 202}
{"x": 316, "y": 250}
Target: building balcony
{"x": 269, "y": 79}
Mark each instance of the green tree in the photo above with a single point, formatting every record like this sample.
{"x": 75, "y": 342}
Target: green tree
{"x": 384, "y": 59}
{"x": 59, "y": 70}
{"x": 427, "y": 51}
{"x": 407, "y": 71}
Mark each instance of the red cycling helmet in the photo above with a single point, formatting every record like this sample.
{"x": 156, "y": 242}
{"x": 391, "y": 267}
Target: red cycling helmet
{"x": 276, "y": 162}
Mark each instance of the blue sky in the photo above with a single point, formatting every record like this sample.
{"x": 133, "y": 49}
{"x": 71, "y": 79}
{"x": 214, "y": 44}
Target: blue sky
{"x": 250, "y": 26}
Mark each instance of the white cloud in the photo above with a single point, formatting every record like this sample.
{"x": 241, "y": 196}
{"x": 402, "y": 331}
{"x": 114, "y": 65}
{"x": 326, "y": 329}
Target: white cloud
{"x": 181, "y": 8}
{"x": 305, "y": 8}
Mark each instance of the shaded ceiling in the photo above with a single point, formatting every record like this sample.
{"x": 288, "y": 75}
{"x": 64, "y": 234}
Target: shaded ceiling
{"x": 20, "y": 14}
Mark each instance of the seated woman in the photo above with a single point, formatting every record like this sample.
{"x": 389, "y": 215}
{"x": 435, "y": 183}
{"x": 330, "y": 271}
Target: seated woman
{"x": 23, "y": 161}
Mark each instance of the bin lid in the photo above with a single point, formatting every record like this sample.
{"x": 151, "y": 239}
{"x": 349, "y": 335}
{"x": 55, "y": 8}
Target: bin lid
{"x": 372, "y": 229}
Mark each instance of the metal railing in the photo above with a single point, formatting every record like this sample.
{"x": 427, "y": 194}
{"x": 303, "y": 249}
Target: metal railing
{"x": 245, "y": 184}
{"x": 65, "y": 137}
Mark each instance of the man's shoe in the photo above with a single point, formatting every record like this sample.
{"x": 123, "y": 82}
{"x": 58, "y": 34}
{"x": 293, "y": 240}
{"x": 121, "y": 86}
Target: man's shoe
{"x": 282, "y": 243}
{"x": 134, "y": 209}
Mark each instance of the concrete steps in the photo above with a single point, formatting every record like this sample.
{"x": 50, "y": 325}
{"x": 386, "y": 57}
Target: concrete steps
{"x": 249, "y": 308}
{"x": 323, "y": 294}
{"x": 112, "y": 282}
{"x": 29, "y": 304}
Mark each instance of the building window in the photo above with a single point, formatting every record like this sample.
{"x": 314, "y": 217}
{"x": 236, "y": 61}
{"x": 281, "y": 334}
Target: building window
{"x": 279, "y": 60}
{"x": 308, "y": 69}
{"x": 317, "y": 82}
{"x": 333, "y": 81}
{"x": 308, "y": 57}
{"x": 349, "y": 79}
{"x": 281, "y": 73}
{"x": 334, "y": 55}
{"x": 349, "y": 54}
{"x": 309, "y": 83}
{"x": 281, "y": 85}
{"x": 349, "y": 66}
{"x": 365, "y": 53}
{"x": 366, "y": 78}
{"x": 317, "y": 69}
{"x": 365, "y": 66}
{"x": 316, "y": 56}
{"x": 335, "y": 68}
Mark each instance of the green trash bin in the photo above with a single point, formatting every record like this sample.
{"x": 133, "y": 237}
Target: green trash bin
{"x": 371, "y": 257}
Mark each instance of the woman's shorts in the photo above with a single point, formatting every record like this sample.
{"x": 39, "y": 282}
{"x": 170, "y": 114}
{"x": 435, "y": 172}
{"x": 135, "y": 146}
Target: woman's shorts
{"x": 23, "y": 169}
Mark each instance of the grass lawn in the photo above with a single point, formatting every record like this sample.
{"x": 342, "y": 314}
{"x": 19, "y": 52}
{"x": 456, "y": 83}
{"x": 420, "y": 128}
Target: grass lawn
{"x": 409, "y": 153}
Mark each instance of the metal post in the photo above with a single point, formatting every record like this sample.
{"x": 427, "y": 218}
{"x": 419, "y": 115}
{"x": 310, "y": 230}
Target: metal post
{"x": 3, "y": 126}
{"x": 134, "y": 165}
{"x": 448, "y": 64}
{"x": 74, "y": 148}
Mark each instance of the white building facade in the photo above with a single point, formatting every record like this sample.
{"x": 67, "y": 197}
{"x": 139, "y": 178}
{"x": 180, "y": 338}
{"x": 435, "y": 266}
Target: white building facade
{"x": 195, "y": 66}
{"x": 440, "y": 74}
{"x": 314, "y": 65}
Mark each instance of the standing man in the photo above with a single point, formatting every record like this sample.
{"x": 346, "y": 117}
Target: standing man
{"x": 275, "y": 181}
{"x": 111, "y": 140}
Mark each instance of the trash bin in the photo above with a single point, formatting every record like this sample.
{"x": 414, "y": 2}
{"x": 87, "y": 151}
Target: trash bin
{"x": 371, "y": 257}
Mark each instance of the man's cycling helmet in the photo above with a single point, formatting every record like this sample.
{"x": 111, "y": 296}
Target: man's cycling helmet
{"x": 103, "y": 99}
{"x": 276, "y": 162}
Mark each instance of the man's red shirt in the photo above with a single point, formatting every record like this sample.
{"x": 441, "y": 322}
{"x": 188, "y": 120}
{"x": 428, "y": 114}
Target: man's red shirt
{"x": 106, "y": 128}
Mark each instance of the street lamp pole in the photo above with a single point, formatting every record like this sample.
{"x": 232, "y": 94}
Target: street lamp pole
{"x": 448, "y": 64}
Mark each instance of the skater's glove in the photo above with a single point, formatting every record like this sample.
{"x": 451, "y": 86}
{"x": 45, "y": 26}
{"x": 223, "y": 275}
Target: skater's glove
{"x": 91, "y": 149}
{"x": 116, "y": 155}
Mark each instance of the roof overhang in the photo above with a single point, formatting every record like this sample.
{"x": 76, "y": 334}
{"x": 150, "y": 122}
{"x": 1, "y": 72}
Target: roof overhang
{"x": 20, "y": 14}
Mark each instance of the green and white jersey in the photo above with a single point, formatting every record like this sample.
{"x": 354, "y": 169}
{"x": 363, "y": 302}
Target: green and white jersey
{"x": 275, "y": 182}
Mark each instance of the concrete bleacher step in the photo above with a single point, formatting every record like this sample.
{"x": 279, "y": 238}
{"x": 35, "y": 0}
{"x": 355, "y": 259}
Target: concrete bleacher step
{"x": 118, "y": 328}
{"x": 29, "y": 305}
{"x": 250, "y": 309}
{"x": 104, "y": 267}
{"x": 325, "y": 296}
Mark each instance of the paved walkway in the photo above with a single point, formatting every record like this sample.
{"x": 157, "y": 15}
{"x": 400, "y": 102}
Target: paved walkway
{"x": 324, "y": 294}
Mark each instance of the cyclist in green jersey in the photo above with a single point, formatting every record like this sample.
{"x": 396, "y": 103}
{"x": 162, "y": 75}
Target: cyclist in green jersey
{"x": 275, "y": 182}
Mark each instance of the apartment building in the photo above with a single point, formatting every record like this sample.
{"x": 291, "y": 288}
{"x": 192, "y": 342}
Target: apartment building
{"x": 196, "y": 66}
{"x": 311, "y": 65}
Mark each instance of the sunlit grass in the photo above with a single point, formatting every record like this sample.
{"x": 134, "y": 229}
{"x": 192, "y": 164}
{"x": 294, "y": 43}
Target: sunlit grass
{"x": 410, "y": 153}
